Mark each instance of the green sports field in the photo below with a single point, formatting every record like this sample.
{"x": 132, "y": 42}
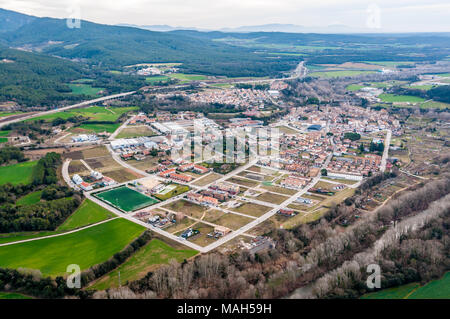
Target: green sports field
{"x": 85, "y": 248}
{"x": 17, "y": 174}
{"x": 126, "y": 199}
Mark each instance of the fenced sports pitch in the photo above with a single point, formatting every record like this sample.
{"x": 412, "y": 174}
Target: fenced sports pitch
{"x": 126, "y": 199}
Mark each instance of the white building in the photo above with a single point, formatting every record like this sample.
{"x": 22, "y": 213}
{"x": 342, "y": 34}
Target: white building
{"x": 77, "y": 179}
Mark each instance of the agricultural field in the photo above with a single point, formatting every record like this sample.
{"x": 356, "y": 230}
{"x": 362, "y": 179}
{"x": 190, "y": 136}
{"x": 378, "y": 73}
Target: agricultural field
{"x": 435, "y": 105}
{"x": 88, "y": 213}
{"x": 5, "y": 114}
{"x": 17, "y": 173}
{"x": 99, "y": 127}
{"x": 392, "y": 98}
{"x": 13, "y": 237}
{"x": 157, "y": 78}
{"x": 13, "y": 295}
{"x": 336, "y": 74}
{"x": 354, "y": 87}
{"x": 135, "y": 131}
{"x": 436, "y": 289}
{"x": 30, "y": 199}
{"x": 87, "y": 248}
{"x": 148, "y": 258}
{"x": 93, "y": 113}
{"x": 84, "y": 89}
{"x": 185, "y": 78}
{"x": 126, "y": 199}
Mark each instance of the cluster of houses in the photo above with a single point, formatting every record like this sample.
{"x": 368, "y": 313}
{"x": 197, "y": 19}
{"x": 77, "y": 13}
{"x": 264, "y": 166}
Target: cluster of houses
{"x": 215, "y": 194}
{"x": 295, "y": 182}
{"x": 346, "y": 118}
{"x": 198, "y": 169}
{"x": 172, "y": 174}
{"x": 202, "y": 199}
{"x": 242, "y": 98}
{"x": 98, "y": 181}
{"x": 355, "y": 165}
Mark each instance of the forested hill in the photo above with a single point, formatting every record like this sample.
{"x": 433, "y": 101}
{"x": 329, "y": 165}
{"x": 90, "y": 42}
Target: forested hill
{"x": 115, "y": 46}
{"x": 36, "y": 79}
{"x": 10, "y": 20}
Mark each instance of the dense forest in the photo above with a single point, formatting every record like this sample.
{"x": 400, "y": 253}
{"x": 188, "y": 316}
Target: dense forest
{"x": 115, "y": 46}
{"x": 33, "y": 79}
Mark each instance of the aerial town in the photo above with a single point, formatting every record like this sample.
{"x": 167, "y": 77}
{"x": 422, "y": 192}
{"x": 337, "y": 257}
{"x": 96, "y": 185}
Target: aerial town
{"x": 144, "y": 161}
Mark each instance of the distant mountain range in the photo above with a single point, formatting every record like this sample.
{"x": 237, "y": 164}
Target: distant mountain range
{"x": 116, "y": 46}
{"x": 274, "y": 27}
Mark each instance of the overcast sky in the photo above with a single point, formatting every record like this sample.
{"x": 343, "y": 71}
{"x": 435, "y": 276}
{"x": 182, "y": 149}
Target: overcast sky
{"x": 390, "y": 15}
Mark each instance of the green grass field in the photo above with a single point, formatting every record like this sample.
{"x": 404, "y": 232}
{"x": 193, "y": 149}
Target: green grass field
{"x": 30, "y": 199}
{"x": 157, "y": 78}
{"x": 88, "y": 213}
{"x": 126, "y": 199}
{"x": 435, "y": 105}
{"x": 94, "y": 113}
{"x": 17, "y": 174}
{"x": 436, "y": 289}
{"x": 392, "y": 98}
{"x": 354, "y": 87}
{"x": 13, "y": 295}
{"x": 335, "y": 74}
{"x": 85, "y": 248}
{"x": 185, "y": 78}
{"x": 146, "y": 259}
{"x": 3, "y": 140}
{"x": 84, "y": 89}
{"x": 4, "y": 133}
{"x": 13, "y": 237}
{"x": 98, "y": 127}
{"x": 135, "y": 131}
{"x": 5, "y": 114}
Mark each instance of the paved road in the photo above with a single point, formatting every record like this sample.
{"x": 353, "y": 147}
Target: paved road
{"x": 269, "y": 214}
{"x": 86, "y": 103}
{"x": 116, "y": 132}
